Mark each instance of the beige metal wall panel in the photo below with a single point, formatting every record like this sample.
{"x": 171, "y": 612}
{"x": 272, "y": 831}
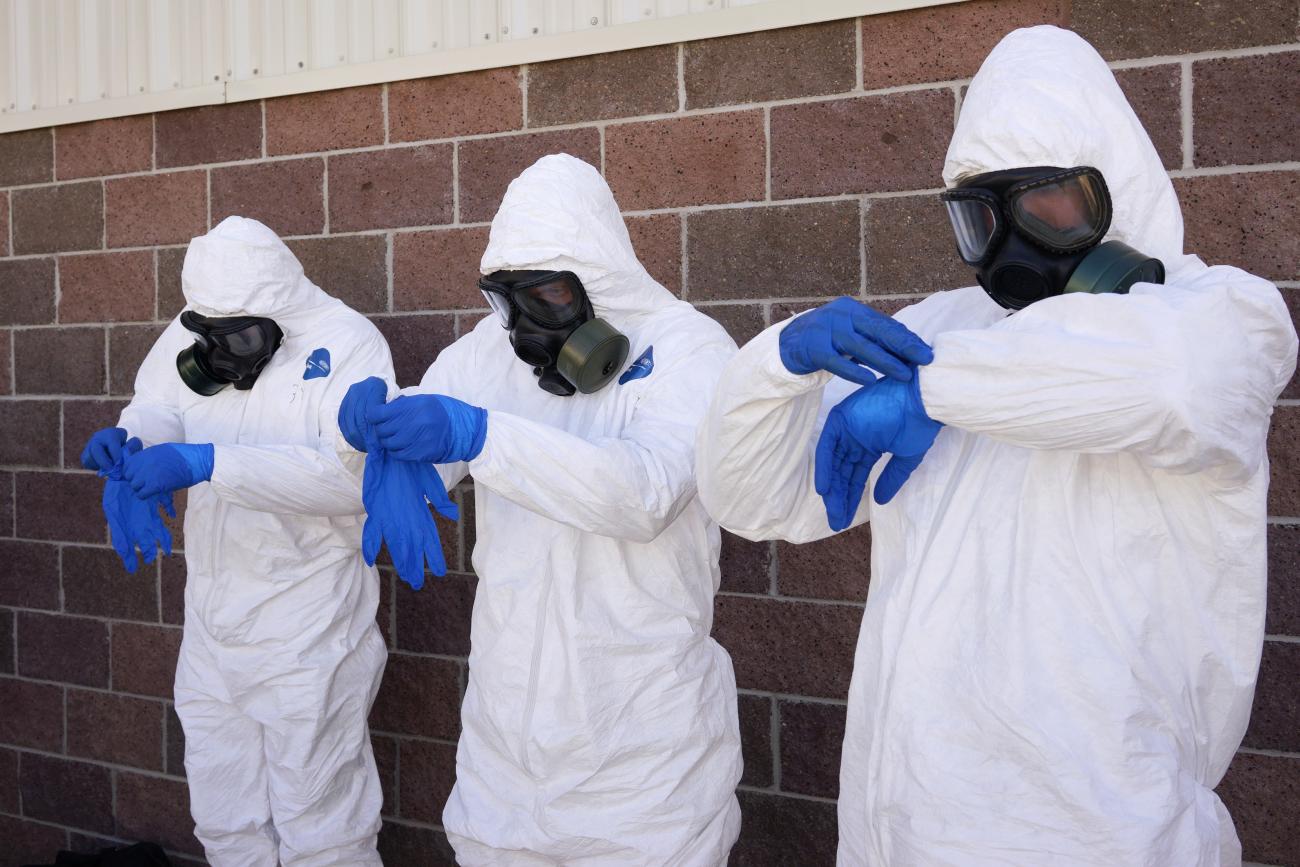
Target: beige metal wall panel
{"x": 66, "y": 61}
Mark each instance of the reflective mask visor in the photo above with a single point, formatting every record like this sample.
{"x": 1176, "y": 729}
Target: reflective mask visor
{"x": 549, "y": 298}
{"x": 228, "y": 350}
{"x": 1060, "y": 210}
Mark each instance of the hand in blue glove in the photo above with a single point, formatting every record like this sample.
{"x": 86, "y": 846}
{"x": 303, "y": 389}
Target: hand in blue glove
{"x": 104, "y": 449}
{"x": 133, "y": 522}
{"x": 430, "y": 427}
{"x": 362, "y": 397}
{"x": 168, "y": 467}
{"x": 394, "y": 493}
{"x": 885, "y": 416}
{"x": 846, "y": 337}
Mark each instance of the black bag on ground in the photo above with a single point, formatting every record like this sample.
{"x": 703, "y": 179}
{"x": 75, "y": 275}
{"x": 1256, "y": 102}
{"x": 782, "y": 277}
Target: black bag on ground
{"x": 137, "y": 855}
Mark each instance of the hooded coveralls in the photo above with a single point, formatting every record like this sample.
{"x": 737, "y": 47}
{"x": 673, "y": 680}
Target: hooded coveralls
{"x": 1061, "y": 639}
{"x": 599, "y": 722}
{"x": 281, "y": 657}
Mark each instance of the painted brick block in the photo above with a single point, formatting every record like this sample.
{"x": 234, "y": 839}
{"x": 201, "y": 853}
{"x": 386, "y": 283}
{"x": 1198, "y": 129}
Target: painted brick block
{"x": 168, "y": 208}
{"x": 352, "y": 268}
{"x": 812, "y": 734}
{"x": 428, "y": 771}
{"x": 603, "y": 86}
{"x": 867, "y": 144}
{"x": 487, "y": 166}
{"x": 96, "y": 584}
{"x": 1263, "y": 795}
{"x": 107, "y": 287}
{"x": 419, "y": 696}
{"x": 58, "y": 218}
{"x": 756, "y": 740}
{"x": 67, "y": 792}
{"x": 26, "y": 157}
{"x": 784, "y": 250}
{"x": 328, "y": 120}
{"x": 30, "y": 578}
{"x": 21, "y": 442}
{"x": 31, "y": 713}
{"x": 28, "y": 296}
{"x": 286, "y": 195}
{"x": 115, "y": 728}
{"x": 67, "y": 649}
{"x": 471, "y": 103}
{"x": 144, "y": 658}
{"x": 59, "y": 361}
{"x": 1180, "y": 26}
{"x": 834, "y": 568}
{"x": 771, "y": 642}
{"x": 396, "y": 187}
{"x": 438, "y": 269}
{"x": 941, "y": 43}
{"x": 149, "y": 808}
{"x": 779, "y": 832}
{"x": 209, "y": 134}
{"x": 1244, "y": 109}
{"x": 657, "y": 241}
{"x": 415, "y": 342}
{"x": 1250, "y": 220}
{"x": 1283, "y": 580}
{"x": 60, "y": 507}
{"x": 686, "y": 161}
{"x": 771, "y": 64}
{"x": 112, "y": 146}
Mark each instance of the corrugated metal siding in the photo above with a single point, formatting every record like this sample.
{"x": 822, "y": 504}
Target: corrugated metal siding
{"x": 71, "y": 60}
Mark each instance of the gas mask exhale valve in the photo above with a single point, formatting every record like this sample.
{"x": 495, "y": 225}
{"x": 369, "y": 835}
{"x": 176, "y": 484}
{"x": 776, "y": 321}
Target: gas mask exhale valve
{"x": 1033, "y": 233}
{"x": 553, "y": 327}
{"x": 227, "y": 350}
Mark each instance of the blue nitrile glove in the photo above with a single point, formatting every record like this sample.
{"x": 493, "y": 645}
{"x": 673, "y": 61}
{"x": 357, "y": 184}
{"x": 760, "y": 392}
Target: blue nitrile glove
{"x": 846, "y": 337}
{"x": 430, "y": 427}
{"x": 885, "y": 416}
{"x": 394, "y": 494}
{"x": 361, "y": 398}
{"x": 133, "y": 522}
{"x": 169, "y": 467}
{"x": 104, "y": 449}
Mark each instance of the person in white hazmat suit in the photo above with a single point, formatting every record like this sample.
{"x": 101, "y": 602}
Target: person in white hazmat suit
{"x": 1061, "y": 639}
{"x": 281, "y": 657}
{"x": 599, "y": 722}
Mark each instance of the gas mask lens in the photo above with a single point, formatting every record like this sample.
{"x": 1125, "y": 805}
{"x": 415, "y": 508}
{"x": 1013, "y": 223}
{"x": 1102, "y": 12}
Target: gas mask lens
{"x": 550, "y": 298}
{"x": 1066, "y": 214}
{"x": 973, "y": 222}
{"x": 499, "y": 303}
{"x": 1062, "y": 210}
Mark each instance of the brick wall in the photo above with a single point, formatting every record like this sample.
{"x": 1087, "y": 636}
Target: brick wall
{"x": 759, "y": 173}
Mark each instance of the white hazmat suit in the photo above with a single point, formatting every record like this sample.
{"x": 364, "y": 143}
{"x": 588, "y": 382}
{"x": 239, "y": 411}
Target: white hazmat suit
{"x": 599, "y": 722}
{"x": 1063, "y": 630}
{"x": 281, "y": 657}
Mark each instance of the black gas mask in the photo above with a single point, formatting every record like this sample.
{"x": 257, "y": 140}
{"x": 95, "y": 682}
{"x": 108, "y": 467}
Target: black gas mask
{"x": 1032, "y": 233}
{"x": 227, "y": 350}
{"x": 554, "y": 328}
